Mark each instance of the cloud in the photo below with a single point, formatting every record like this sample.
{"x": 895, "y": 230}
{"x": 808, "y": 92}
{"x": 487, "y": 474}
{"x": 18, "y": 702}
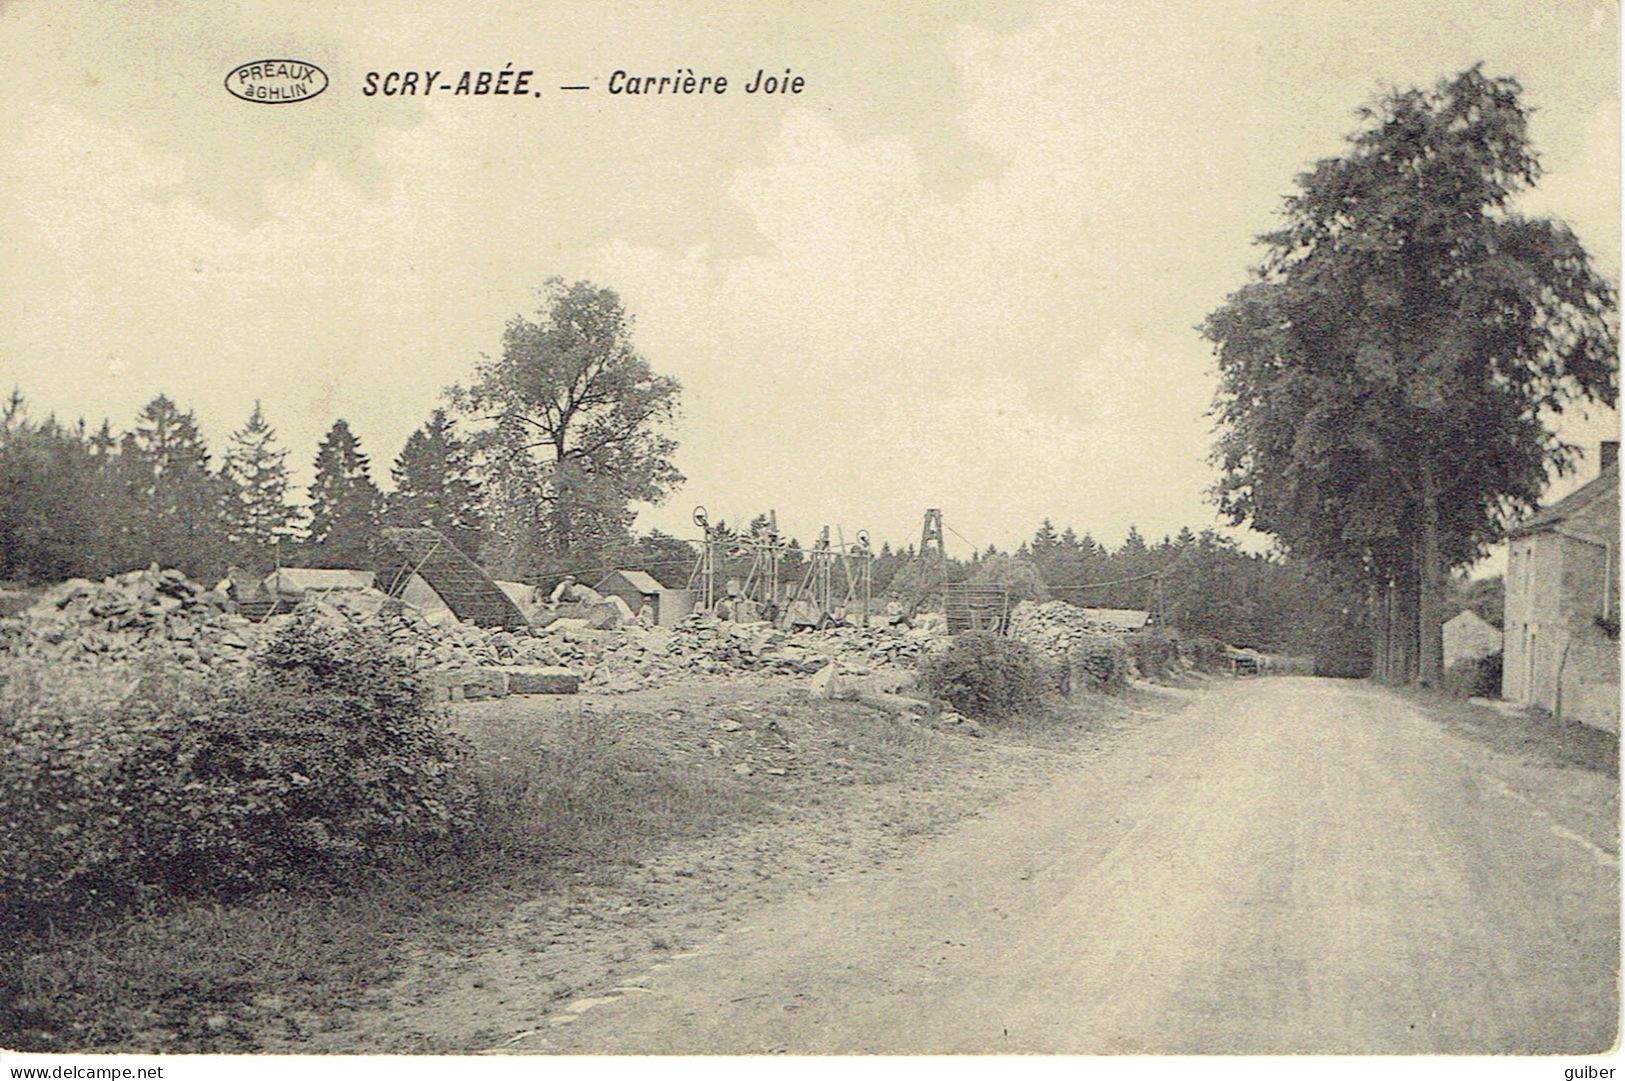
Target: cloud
{"x": 963, "y": 271}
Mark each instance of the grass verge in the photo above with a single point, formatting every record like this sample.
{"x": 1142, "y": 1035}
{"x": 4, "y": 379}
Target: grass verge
{"x": 1523, "y": 732}
{"x": 208, "y": 977}
{"x": 567, "y": 798}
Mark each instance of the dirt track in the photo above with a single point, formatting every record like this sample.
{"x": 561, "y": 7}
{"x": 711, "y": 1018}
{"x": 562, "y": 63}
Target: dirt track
{"x": 1287, "y": 865}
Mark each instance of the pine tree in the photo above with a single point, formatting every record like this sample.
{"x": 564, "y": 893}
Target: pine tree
{"x": 344, "y": 502}
{"x": 106, "y": 496}
{"x": 255, "y": 506}
{"x": 174, "y": 497}
{"x": 1044, "y": 540}
{"x": 435, "y": 485}
{"x": 49, "y": 523}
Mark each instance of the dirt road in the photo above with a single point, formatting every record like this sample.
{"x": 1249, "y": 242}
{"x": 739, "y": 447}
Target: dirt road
{"x": 1287, "y": 865}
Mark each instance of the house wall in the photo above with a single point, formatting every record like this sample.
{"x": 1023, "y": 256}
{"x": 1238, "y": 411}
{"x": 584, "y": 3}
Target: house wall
{"x": 1534, "y": 618}
{"x": 675, "y": 606}
{"x": 1557, "y": 586}
{"x": 1586, "y": 682}
{"x": 1590, "y": 679}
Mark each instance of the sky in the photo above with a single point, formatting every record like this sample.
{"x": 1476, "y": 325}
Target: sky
{"x": 962, "y": 269}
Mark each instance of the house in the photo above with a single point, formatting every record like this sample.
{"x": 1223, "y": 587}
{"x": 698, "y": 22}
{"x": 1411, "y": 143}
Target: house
{"x": 1562, "y": 604}
{"x": 638, "y": 588}
{"x": 1468, "y": 636}
{"x": 1124, "y": 619}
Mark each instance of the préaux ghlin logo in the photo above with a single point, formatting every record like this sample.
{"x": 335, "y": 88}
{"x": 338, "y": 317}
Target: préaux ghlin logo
{"x": 276, "y": 82}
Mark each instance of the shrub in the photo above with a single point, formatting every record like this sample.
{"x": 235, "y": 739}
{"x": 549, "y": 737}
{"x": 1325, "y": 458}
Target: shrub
{"x": 1472, "y": 677}
{"x": 984, "y": 675}
{"x": 1155, "y": 652}
{"x": 322, "y": 754}
{"x": 1098, "y": 662}
{"x": 1208, "y": 654}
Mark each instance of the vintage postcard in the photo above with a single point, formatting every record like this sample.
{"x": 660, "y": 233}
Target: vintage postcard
{"x": 865, "y": 529}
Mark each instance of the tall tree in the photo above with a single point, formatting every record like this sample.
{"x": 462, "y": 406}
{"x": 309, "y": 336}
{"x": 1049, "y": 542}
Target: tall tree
{"x": 50, "y": 524}
{"x": 580, "y": 429}
{"x": 344, "y": 503}
{"x": 435, "y": 485}
{"x": 174, "y": 496}
{"x": 669, "y": 559}
{"x": 107, "y": 497}
{"x": 1389, "y": 381}
{"x": 257, "y": 515}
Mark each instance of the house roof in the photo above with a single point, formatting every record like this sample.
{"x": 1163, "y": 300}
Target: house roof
{"x": 1603, "y": 484}
{"x": 300, "y": 579}
{"x": 1464, "y": 615}
{"x": 1128, "y": 619}
{"x": 642, "y": 581}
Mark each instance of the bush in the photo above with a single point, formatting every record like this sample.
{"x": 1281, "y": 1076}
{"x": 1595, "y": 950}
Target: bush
{"x": 984, "y": 675}
{"x": 321, "y": 754}
{"x": 1478, "y": 677}
{"x": 1208, "y": 654}
{"x": 1098, "y": 662}
{"x": 1155, "y": 652}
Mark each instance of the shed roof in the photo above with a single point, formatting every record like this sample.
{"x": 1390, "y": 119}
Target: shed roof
{"x": 463, "y": 584}
{"x": 642, "y": 581}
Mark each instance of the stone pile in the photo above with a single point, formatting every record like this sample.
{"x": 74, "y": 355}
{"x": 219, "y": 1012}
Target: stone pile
{"x": 1053, "y": 627}
{"x": 627, "y": 658}
{"x": 1080, "y": 653}
{"x": 439, "y": 645}
{"x": 151, "y": 612}
{"x": 161, "y": 613}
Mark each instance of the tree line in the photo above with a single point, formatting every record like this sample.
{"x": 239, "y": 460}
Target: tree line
{"x": 81, "y": 503}
{"x": 1392, "y": 375}
{"x": 532, "y": 469}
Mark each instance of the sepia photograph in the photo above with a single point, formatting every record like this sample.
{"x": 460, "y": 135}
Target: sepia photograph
{"x": 868, "y": 529}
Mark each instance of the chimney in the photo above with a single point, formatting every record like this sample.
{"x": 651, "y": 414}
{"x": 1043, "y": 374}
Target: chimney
{"x": 1608, "y": 453}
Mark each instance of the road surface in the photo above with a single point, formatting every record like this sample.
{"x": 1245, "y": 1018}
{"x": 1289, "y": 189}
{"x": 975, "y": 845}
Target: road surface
{"x": 1289, "y": 865}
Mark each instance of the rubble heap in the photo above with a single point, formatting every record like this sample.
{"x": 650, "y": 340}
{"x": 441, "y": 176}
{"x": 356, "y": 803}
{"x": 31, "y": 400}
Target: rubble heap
{"x": 162, "y": 614}
{"x": 627, "y": 658}
{"x": 1053, "y": 627}
{"x": 129, "y": 616}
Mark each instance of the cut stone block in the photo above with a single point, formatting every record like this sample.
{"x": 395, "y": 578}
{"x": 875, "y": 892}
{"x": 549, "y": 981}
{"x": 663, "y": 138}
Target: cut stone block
{"x": 536, "y": 680}
{"x": 485, "y": 683}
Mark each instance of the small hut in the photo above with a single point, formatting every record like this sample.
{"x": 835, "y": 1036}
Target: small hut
{"x": 638, "y": 588}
